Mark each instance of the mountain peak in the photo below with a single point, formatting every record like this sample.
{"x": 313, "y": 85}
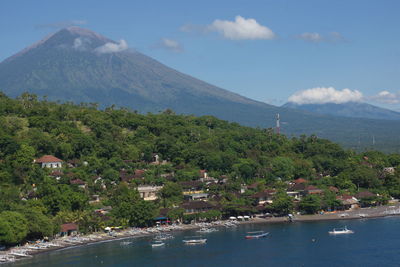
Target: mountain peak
{"x": 73, "y": 37}
{"x": 82, "y": 32}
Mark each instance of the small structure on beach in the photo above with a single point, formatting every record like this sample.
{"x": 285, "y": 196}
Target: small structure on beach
{"x": 348, "y": 202}
{"x": 196, "y": 206}
{"x": 68, "y": 229}
{"x": 264, "y": 196}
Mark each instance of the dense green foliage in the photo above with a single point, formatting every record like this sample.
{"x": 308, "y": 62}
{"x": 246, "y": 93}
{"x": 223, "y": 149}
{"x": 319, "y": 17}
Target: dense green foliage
{"x": 116, "y": 143}
{"x": 56, "y": 69}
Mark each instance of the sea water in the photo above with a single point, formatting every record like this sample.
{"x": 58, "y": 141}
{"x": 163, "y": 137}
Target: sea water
{"x": 376, "y": 242}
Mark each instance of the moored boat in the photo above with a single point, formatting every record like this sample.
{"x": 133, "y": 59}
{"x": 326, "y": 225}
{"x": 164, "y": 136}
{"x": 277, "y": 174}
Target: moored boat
{"x": 341, "y": 231}
{"x": 256, "y": 234}
{"x": 195, "y": 240}
{"x": 207, "y": 230}
{"x": 157, "y": 243}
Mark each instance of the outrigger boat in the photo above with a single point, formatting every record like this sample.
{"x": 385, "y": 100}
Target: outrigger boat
{"x": 340, "y": 231}
{"x": 157, "y": 243}
{"x": 195, "y": 240}
{"x": 164, "y": 237}
{"x": 255, "y": 235}
{"x": 207, "y": 230}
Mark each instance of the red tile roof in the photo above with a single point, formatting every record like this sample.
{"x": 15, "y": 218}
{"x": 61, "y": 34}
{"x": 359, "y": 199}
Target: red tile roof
{"x": 344, "y": 197}
{"x": 47, "y": 158}
{"x": 139, "y": 173}
{"x": 365, "y": 194}
{"x": 69, "y": 227}
{"x": 77, "y": 181}
{"x": 333, "y": 189}
{"x": 300, "y": 181}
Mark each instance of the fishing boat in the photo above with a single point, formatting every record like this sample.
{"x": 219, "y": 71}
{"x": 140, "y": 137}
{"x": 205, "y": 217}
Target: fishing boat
{"x": 340, "y": 231}
{"x": 194, "y": 240}
{"x": 157, "y": 243}
{"x": 256, "y": 235}
{"x": 125, "y": 243}
{"x": 164, "y": 237}
{"x": 205, "y": 230}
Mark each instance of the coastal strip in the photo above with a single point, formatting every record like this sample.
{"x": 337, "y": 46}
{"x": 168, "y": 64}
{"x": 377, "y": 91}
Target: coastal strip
{"x": 29, "y": 250}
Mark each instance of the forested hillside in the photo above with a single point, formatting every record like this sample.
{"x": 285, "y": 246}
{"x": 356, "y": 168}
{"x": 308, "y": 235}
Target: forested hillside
{"x": 107, "y": 154}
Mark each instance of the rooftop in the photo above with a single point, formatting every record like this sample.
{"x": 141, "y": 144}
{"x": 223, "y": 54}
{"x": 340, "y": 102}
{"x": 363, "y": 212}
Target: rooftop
{"x": 47, "y": 159}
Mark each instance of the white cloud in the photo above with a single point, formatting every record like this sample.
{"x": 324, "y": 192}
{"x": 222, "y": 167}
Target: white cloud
{"x": 387, "y": 97}
{"x": 311, "y": 37}
{"x": 336, "y": 37}
{"x": 241, "y": 29}
{"x": 112, "y": 47}
{"x": 62, "y": 24}
{"x": 315, "y": 37}
{"x": 322, "y": 95}
{"x": 171, "y": 45}
{"x": 81, "y": 43}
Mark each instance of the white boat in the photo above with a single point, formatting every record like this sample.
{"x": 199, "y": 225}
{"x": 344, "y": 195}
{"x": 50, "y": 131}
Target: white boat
{"x": 340, "y": 231}
{"x": 205, "y": 230}
{"x": 164, "y": 237}
{"x": 256, "y": 235}
{"x": 157, "y": 243}
{"x": 195, "y": 240}
{"x": 125, "y": 243}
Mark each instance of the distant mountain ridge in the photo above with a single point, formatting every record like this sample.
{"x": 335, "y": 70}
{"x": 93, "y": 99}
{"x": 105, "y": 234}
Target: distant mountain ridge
{"x": 349, "y": 109}
{"x": 79, "y": 65}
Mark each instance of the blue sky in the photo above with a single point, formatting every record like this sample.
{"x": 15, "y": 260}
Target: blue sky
{"x": 274, "y": 50}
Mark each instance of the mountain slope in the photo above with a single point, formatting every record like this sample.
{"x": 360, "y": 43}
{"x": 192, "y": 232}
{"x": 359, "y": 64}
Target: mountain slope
{"x": 349, "y": 109}
{"x": 79, "y": 65}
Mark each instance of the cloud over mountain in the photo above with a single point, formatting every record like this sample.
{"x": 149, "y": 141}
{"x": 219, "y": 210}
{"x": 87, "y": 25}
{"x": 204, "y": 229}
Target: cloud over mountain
{"x": 321, "y": 95}
{"x": 170, "y": 45}
{"x": 241, "y": 29}
{"x": 111, "y": 47}
{"x": 387, "y": 97}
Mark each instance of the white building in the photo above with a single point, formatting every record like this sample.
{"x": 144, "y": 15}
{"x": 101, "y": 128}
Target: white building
{"x": 149, "y": 192}
{"x": 49, "y": 161}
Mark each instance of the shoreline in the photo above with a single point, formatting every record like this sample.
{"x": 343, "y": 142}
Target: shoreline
{"x": 58, "y": 244}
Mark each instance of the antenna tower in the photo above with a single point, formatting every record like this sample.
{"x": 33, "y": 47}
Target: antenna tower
{"x": 278, "y": 125}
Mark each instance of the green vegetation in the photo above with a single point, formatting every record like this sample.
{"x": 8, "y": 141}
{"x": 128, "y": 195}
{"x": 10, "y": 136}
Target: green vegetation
{"x": 108, "y": 154}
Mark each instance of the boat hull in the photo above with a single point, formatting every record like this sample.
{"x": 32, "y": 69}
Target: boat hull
{"x": 256, "y": 236}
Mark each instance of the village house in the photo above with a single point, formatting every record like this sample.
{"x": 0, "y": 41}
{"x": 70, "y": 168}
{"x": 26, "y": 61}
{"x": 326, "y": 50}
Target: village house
{"x": 56, "y": 174}
{"x": 81, "y": 184}
{"x": 204, "y": 177}
{"x": 196, "y": 196}
{"x": 49, "y": 161}
{"x": 348, "y": 202}
{"x": 196, "y": 207}
{"x": 365, "y": 194}
{"x": 294, "y": 194}
{"x": 312, "y": 190}
{"x": 264, "y": 196}
{"x": 149, "y": 192}
{"x": 191, "y": 187}
{"x": 366, "y": 198}
{"x": 68, "y": 229}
